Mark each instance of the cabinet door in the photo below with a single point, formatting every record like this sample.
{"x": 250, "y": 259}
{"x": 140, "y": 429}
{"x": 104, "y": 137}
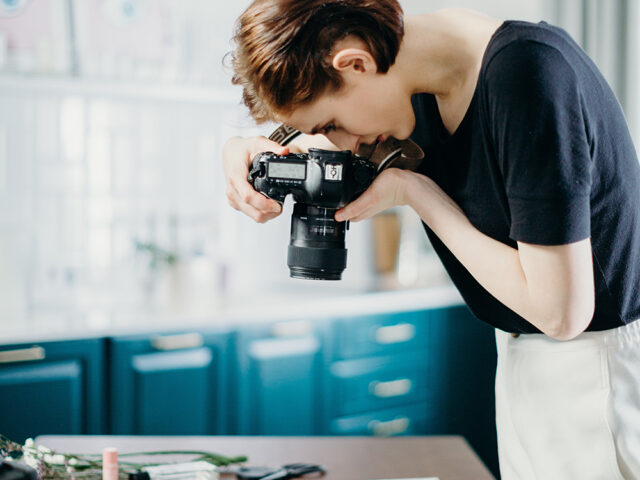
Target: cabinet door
{"x": 51, "y": 388}
{"x": 278, "y": 383}
{"x": 169, "y": 384}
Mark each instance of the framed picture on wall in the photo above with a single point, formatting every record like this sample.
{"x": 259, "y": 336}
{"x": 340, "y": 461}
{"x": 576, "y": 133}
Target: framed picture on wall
{"x": 35, "y": 36}
{"x": 121, "y": 38}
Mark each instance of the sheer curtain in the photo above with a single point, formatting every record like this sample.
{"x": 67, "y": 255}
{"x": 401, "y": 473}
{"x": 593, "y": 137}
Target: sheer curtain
{"x": 607, "y": 30}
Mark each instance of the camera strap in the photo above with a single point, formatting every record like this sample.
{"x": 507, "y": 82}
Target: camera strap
{"x": 284, "y": 134}
{"x": 404, "y": 154}
{"x": 394, "y": 153}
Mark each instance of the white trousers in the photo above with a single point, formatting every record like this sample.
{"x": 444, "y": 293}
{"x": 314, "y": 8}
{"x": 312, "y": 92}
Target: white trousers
{"x": 569, "y": 410}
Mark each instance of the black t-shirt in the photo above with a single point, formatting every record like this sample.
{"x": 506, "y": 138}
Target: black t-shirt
{"x": 542, "y": 156}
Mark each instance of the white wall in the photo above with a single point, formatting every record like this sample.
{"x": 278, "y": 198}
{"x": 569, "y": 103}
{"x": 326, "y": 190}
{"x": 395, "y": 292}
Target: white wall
{"x": 84, "y": 170}
{"x": 633, "y": 73}
{"x": 531, "y": 10}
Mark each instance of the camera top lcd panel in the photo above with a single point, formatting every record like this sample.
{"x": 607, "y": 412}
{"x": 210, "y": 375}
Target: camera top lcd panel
{"x": 322, "y": 178}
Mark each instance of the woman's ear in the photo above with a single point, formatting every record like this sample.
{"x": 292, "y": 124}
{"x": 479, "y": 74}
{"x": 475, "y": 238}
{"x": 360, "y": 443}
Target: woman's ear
{"x": 354, "y": 60}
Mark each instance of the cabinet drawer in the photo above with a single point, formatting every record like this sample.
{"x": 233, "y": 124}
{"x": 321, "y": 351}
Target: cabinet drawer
{"x": 381, "y": 334}
{"x": 379, "y": 382}
{"x": 409, "y": 420}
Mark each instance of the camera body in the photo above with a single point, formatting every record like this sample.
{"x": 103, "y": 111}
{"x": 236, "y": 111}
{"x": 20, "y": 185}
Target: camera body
{"x": 320, "y": 182}
{"x": 321, "y": 178}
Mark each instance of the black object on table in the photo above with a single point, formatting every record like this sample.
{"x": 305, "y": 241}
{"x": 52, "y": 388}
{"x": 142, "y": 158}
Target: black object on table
{"x": 294, "y": 470}
{"x": 16, "y": 471}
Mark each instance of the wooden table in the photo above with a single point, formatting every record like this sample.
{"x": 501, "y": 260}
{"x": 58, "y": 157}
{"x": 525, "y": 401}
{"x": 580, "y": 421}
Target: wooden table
{"x": 345, "y": 458}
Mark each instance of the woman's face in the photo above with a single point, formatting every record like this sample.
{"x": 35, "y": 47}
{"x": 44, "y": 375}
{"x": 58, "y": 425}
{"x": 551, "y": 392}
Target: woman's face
{"x": 366, "y": 109}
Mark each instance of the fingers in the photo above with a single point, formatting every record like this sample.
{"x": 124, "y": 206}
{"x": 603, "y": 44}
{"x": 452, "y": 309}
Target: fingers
{"x": 240, "y": 193}
{"x": 360, "y": 209}
{"x": 386, "y": 191}
{"x": 259, "y": 215}
{"x": 246, "y": 194}
{"x": 263, "y": 144}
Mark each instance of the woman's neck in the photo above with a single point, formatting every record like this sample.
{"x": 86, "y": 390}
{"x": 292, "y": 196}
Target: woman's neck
{"x": 441, "y": 52}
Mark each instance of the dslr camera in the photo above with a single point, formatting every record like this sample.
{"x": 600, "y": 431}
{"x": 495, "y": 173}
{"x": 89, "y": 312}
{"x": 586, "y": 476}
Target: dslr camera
{"x": 320, "y": 182}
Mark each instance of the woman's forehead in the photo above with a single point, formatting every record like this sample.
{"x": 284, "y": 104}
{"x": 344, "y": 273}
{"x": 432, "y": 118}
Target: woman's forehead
{"x": 309, "y": 117}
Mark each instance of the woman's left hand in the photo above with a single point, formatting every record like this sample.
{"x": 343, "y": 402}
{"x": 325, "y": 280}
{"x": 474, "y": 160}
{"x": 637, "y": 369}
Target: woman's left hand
{"x": 386, "y": 191}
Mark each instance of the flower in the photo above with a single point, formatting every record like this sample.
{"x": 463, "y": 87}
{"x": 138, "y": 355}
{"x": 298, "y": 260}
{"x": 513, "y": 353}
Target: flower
{"x": 56, "y": 459}
{"x": 52, "y": 465}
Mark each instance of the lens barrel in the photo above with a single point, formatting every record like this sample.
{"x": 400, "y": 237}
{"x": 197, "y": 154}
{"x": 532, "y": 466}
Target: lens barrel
{"x": 316, "y": 250}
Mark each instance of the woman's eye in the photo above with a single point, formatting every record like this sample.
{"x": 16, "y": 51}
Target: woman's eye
{"x": 328, "y": 128}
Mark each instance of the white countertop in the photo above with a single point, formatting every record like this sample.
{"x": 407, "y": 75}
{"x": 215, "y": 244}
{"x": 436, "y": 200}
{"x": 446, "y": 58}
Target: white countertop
{"x": 230, "y": 312}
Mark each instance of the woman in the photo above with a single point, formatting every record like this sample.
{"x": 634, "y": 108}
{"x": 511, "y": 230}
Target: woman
{"x": 530, "y": 194}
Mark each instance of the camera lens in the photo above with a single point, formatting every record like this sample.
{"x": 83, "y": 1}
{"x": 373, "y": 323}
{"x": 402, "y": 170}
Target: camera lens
{"x": 316, "y": 249}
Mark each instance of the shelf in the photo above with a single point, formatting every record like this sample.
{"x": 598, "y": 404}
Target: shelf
{"x": 131, "y": 90}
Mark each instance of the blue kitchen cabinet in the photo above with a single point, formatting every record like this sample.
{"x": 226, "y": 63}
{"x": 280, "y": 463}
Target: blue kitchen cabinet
{"x": 378, "y": 374}
{"x": 169, "y": 384}
{"x": 278, "y": 377}
{"x": 52, "y": 388}
{"x": 412, "y": 373}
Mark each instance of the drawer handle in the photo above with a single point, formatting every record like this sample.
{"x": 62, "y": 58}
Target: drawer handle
{"x": 392, "y": 427}
{"x": 22, "y": 355}
{"x": 296, "y": 328}
{"x": 402, "y": 332}
{"x": 394, "y": 388}
{"x": 177, "y": 342}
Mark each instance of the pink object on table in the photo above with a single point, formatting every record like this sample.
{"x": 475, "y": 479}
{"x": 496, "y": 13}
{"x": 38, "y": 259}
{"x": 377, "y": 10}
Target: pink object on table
{"x": 110, "y": 464}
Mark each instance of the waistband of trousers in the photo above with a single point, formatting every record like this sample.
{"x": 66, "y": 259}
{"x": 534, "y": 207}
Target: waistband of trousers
{"x": 628, "y": 334}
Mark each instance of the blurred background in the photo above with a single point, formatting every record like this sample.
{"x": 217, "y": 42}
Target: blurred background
{"x": 112, "y": 118}
{"x": 113, "y": 218}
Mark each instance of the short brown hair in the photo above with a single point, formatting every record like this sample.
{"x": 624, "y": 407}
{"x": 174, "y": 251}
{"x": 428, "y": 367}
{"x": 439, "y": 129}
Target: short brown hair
{"x": 282, "y": 47}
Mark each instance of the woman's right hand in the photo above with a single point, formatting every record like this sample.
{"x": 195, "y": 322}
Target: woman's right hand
{"x": 237, "y": 155}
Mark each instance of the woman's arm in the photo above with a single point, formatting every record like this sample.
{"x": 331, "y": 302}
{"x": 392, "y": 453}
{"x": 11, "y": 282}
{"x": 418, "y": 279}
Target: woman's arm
{"x": 550, "y": 286}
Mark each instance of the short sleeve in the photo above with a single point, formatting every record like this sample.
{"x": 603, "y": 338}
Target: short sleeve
{"x": 538, "y": 130}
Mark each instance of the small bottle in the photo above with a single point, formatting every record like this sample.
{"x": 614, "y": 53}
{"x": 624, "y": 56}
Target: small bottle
{"x": 110, "y": 464}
